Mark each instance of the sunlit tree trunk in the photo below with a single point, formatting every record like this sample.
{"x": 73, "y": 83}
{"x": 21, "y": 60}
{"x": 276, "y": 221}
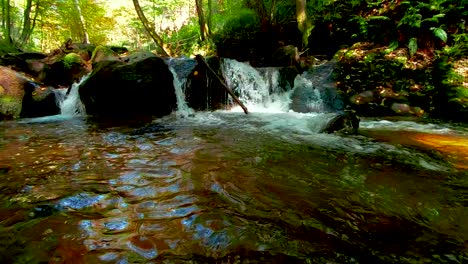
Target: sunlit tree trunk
{"x": 27, "y": 23}
{"x": 6, "y": 21}
{"x": 156, "y": 38}
{"x": 210, "y": 16}
{"x": 201, "y": 19}
{"x": 301, "y": 16}
{"x": 82, "y": 22}
{"x": 2, "y": 2}
{"x": 273, "y": 11}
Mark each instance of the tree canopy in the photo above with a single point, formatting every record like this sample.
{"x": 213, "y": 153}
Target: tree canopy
{"x": 184, "y": 27}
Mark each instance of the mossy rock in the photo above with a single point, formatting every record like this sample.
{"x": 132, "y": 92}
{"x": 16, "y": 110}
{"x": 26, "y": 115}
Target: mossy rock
{"x": 72, "y": 59}
{"x": 10, "y": 107}
{"x": 103, "y": 53}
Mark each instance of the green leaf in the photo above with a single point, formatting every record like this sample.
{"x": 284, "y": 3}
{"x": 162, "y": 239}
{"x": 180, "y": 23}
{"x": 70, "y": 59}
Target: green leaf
{"x": 413, "y": 46}
{"x": 436, "y": 17}
{"x": 378, "y": 18}
{"x": 440, "y": 33}
{"x": 393, "y": 46}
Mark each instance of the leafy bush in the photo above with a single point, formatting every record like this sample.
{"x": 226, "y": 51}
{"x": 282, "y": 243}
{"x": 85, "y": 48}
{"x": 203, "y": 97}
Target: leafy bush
{"x": 424, "y": 25}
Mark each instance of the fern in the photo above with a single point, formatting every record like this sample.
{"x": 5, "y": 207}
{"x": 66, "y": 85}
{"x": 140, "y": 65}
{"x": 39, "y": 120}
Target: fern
{"x": 413, "y": 46}
{"x": 440, "y": 33}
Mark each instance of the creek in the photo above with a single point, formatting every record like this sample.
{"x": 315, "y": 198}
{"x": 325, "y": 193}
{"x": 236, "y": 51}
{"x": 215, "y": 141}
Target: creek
{"x": 224, "y": 187}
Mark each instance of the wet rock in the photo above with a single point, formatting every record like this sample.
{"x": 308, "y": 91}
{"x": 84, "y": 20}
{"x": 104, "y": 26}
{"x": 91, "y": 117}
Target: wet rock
{"x": 64, "y": 70}
{"x": 363, "y": 98}
{"x": 4, "y": 168}
{"x": 42, "y": 211}
{"x": 138, "y": 87}
{"x": 316, "y": 91}
{"x": 203, "y": 91}
{"x": 39, "y": 101}
{"x": 20, "y": 61}
{"x": 346, "y": 122}
{"x": 21, "y": 97}
{"x": 104, "y": 53}
{"x": 405, "y": 109}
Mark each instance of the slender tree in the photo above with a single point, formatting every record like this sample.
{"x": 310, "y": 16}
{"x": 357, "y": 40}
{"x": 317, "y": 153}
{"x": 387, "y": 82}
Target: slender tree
{"x": 201, "y": 19}
{"x": 149, "y": 28}
{"x": 7, "y": 21}
{"x": 28, "y": 22}
{"x": 82, "y": 22}
{"x": 2, "y": 3}
{"x": 301, "y": 16}
{"x": 210, "y": 17}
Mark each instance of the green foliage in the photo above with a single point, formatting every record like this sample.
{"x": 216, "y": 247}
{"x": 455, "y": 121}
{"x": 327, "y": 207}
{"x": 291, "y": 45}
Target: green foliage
{"x": 239, "y": 28}
{"x": 413, "y": 46}
{"x": 433, "y": 23}
{"x": 246, "y": 21}
{"x": 440, "y": 33}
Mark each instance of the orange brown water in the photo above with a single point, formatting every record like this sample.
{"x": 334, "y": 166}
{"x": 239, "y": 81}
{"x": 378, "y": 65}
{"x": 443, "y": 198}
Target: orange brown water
{"x": 80, "y": 191}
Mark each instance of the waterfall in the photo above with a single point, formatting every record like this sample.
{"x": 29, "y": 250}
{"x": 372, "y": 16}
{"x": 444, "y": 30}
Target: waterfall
{"x": 70, "y": 104}
{"x": 263, "y": 90}
{"x": 183, "y": 110}
{"x": 258, "y": 89}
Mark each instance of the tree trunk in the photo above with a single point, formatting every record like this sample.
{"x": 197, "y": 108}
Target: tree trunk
{"x": 7, "y": 18}
{"x": 26, "y": 23}
{"x": 210, "y": 17}
{"x": 82, "y": 22}
{"x": 201, "y": 19}
{"x": 149, "y": 29}
{"x": 2, "y": 2}
{"x": 301, "y": 16}
{"x": 273, "y": 11}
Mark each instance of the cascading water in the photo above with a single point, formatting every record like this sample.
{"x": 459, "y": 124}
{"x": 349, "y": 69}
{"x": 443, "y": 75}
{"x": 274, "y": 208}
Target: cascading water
{"x": 259, "y": 90}
{"x": 219, "y": 186}
{"x": 70, "y": 104}
{"x": 299, "y": 109}
{"x": 183, "y": 110}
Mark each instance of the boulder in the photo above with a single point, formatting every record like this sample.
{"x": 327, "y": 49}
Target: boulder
{"x": 104, "y": 53}
{"x": 315, "y": 91}
{"x": 346, "y": 122}
{"x": 64, "y": 70}
{"x": 140, "y": 87}
{"x": 21, "y": 97}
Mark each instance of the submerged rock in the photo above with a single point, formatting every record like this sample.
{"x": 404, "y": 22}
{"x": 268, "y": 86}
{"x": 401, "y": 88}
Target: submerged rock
{"x": 346, "y": 122}
{"x": 116, "y": 88}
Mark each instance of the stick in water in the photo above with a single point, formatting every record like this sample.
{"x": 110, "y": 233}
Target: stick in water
{"x": 200, "y": 59}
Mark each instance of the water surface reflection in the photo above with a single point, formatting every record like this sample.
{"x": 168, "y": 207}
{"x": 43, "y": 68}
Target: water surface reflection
{"x": 176, "y": 191}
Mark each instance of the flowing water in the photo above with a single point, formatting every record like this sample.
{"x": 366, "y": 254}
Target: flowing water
{"x": 224, "y": 187}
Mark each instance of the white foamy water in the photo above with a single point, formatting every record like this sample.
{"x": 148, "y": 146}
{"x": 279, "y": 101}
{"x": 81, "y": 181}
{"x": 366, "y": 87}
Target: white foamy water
{"x": 183, "y": 110}
{"x": 412, "y": 126}
{"x": 258, "y": 90}
{"x": 71, "y": 105}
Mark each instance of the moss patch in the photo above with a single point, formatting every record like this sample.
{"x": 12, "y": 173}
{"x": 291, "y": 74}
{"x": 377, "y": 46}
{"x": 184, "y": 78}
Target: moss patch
{"x": 71, "y": 59}
{"x": 10, "y": 106}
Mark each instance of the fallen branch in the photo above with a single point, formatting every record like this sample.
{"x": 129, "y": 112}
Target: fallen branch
{"x": 200, "y": 59}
